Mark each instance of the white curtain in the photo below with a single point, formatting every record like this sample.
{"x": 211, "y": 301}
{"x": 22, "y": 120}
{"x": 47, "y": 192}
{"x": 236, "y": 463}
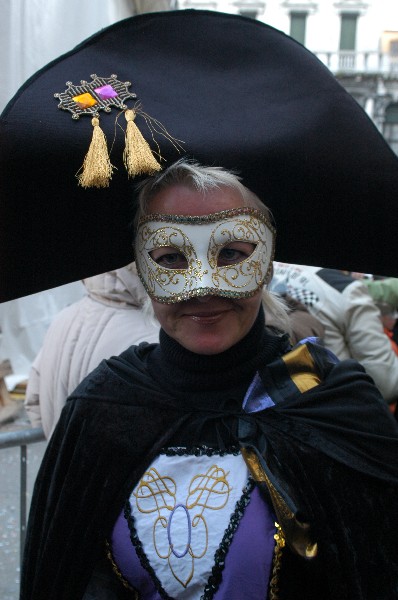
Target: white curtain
{"x": 33, "y": 33}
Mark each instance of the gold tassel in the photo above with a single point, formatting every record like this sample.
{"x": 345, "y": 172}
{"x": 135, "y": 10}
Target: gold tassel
{"x": 138, "y": 158}
{"x": 97, "y": 168}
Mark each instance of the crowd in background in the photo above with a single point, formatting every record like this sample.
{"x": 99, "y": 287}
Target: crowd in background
{"x": 352, "y": 314}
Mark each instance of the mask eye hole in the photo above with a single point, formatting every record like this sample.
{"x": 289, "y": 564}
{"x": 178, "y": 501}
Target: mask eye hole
{"x": 235, "y": 253}
{"x": 169, "y": 258}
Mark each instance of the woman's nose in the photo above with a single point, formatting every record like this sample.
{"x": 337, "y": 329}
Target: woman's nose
{"x": 204, "y": 298}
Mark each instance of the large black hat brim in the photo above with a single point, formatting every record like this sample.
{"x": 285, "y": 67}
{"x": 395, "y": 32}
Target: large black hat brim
{"x": 239, "y": 94}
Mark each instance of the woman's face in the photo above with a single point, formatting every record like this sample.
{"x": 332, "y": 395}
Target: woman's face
{"x": 209, "y": 324}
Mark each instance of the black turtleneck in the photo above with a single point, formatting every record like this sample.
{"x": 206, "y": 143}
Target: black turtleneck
{"x": 213, "y": 385}
{"x": 179, "y": 371}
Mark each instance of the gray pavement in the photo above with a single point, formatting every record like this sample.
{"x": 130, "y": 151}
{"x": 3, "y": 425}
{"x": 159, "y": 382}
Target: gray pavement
{"x": 10, "y": 502}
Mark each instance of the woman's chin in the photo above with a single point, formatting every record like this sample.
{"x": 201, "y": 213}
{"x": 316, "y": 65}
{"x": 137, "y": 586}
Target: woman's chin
{"x": 208, "y": 344}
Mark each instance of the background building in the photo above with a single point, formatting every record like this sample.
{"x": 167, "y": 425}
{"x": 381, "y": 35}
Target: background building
{"x": 357, "y": 41}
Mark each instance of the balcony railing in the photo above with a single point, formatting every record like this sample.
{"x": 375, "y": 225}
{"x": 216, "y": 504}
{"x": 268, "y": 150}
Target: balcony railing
{"x": 351, "y": 61}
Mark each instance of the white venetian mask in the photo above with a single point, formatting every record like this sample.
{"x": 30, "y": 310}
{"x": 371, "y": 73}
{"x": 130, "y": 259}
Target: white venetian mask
{"x": 228, "y": 253}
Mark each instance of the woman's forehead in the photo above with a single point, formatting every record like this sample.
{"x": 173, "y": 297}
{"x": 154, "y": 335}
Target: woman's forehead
{"x": 181, "y": 199}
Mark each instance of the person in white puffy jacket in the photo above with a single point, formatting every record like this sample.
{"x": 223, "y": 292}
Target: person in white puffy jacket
{"x": 351, "y": 319}
{"x": 104, "y": 323}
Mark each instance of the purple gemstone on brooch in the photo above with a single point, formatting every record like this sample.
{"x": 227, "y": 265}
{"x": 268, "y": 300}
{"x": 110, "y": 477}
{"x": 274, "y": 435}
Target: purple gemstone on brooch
{"x": 106, "y": 92}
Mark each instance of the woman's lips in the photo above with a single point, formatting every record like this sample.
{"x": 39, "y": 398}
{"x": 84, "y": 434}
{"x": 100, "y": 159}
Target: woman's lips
{"x": 208, "y": 316}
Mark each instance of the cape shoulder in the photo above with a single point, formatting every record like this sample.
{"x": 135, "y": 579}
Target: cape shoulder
{"x": 121, "y": 379}
{"x": 330, "y": 406}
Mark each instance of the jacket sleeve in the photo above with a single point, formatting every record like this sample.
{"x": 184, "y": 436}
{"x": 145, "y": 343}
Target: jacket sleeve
{"x": 367, "y": 341}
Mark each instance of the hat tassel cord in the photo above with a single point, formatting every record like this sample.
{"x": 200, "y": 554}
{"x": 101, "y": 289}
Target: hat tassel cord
{"x": 138, "y": 158}
{"x": 97, "y": 168}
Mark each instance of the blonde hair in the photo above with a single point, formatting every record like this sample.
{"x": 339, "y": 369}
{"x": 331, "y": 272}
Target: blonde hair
{"x": 198, "y": 177}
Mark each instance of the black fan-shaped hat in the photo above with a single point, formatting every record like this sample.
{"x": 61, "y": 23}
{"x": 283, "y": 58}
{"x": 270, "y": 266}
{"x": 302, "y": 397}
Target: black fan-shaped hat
{"x": 238, "y": 94}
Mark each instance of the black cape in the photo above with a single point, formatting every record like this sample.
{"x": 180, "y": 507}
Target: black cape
{"x": 332, "y": 450}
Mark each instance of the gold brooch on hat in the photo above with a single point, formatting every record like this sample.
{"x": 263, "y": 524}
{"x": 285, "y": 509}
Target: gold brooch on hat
{"x": 102, "y": 93}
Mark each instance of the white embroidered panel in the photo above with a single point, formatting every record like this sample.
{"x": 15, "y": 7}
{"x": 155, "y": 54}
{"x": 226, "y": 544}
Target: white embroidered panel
{"x": 182, "y": 507}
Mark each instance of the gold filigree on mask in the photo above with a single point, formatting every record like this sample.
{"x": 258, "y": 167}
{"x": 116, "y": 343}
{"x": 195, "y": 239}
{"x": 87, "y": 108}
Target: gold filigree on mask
{"x": 200, "y": 240}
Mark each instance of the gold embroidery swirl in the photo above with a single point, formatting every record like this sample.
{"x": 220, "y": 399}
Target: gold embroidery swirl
{"x": 158, "y": 494}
